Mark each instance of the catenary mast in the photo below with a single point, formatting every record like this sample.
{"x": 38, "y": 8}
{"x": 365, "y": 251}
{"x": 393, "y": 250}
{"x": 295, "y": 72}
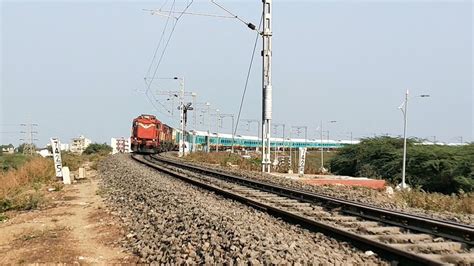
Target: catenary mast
{"x": 267, "y": 84}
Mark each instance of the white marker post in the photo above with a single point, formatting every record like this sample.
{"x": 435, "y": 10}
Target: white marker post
{"x": 302, "y": 161}
{"x": 58, "y": 167}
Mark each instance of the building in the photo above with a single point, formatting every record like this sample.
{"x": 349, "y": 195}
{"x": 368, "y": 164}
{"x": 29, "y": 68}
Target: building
{"x": 8, "y": 149}
{"x": 120, "y": 145}
{"x": 78, "y": 145}
{"x": 64, "y": 146}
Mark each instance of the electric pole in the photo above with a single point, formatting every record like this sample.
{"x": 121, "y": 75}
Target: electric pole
{"x": 29, "y": 147}
{"x": 266, "y": 84}
{"x": 232, "y": 133}
{"x": 181, "y": 115}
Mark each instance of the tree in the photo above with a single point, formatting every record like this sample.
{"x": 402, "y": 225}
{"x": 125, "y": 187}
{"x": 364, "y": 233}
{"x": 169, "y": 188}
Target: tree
{"x": 22, "y": 146}
{"x": 96, "y": 148}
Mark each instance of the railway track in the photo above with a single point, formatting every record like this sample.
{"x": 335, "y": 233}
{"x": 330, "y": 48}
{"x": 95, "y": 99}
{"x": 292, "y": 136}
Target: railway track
{"x": 396, "y": 236}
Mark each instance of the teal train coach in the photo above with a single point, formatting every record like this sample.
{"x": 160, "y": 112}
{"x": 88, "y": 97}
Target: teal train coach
{"x": 197, "y": 140}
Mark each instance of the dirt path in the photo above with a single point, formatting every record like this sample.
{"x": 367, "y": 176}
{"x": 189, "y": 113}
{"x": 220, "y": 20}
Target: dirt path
{"x": 73, "y": 228}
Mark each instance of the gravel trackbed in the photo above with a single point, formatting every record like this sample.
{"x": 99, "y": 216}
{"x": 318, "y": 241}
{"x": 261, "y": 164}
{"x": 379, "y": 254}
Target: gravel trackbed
{"x": 169, "y": 221}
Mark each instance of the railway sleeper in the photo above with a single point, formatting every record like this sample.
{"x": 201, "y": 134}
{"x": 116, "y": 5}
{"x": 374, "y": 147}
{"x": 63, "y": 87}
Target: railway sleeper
{"x": 341, "y": 218}
{"x": 319, "y": 214}
{"x": 401, "y": 238}
{"x": 362, "y": 224}
{"x": 458, "y": 259}
{"x": 382, "y": 230}
{"x": 432, "y": 247}
{"x": 304, "y": 209}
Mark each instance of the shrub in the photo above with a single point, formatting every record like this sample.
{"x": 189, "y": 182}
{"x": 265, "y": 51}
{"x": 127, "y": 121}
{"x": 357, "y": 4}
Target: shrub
{"x": 12, "y": 161}
{"x": 98, "y": 148}
{"x": 435, "y": 168}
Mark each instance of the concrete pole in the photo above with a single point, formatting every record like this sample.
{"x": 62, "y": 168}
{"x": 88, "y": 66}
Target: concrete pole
{"x": 208, "y": 149}
{"x": 404, "y": 110}
{"x": 217, "y": 130}
{"x": 283, "y": 149}
{"x": 195, "y": 109}
{"x": 181, "y": 106}
{"x": 232, "y": 148}
{"x": 266, "y": 84}
{"x": 322, "y": 147}
{"x": 291, "y": 158}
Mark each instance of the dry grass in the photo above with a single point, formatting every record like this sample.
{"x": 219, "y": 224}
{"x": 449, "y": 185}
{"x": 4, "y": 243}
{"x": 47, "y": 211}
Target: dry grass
{"x": 19, "y": 188}
{"x": 37, "y": 170}
{"x": 455, "y": 203}
{"x": 226, "y": 159}
{"x": 312, "y": 166}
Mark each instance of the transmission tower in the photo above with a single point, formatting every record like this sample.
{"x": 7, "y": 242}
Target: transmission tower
{"x": 29, "y": 139}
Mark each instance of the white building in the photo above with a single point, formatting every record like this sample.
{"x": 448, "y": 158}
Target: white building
{"x": 64, "y": 146}
{"x": 78, "y": 145}
{"x": 8, "y": 148}
{"x": 120, "y": 145}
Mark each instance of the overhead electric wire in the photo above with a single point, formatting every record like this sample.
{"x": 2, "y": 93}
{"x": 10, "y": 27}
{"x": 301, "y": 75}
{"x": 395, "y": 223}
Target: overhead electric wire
{"x": 154, "y": 100}
{"x": 161, "y": 57}
{"x": 250, "y": 25}
{"x": 246, "y": 81}
{"x": 163, "y": 4}
{"x": 161, "y": 39}
{"x": 167, "y": 43}
{"x": 189, "y": 13}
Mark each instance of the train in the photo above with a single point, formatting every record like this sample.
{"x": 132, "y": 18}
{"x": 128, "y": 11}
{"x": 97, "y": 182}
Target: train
{"x": 150, "y": 135}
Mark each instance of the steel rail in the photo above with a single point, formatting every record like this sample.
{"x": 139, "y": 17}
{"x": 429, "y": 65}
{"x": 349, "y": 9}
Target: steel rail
{"x": 446, "y": 229}
{"x": 385, "y": 250}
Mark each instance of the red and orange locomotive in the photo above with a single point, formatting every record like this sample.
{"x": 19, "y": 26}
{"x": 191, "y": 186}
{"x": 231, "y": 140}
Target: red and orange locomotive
{"x": 149, "y": 135}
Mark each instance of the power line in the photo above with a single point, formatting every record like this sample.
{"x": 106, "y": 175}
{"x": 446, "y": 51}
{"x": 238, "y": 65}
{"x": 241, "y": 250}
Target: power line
{"x": 162, "y": 55}
{"x": 167, "y": 43}
{"x": 248, "y": 24}
{"x": 187, "y": 13}
{"x": 161, "y": 38}
{"x": 247, "y": 80}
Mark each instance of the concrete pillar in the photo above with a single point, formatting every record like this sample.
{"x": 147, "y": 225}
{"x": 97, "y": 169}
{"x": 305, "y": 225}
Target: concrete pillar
{"x": 67, "y": 180}
{"x": 82, "y": 173}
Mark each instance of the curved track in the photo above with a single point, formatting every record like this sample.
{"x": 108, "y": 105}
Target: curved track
{"x": 409, "y": 239}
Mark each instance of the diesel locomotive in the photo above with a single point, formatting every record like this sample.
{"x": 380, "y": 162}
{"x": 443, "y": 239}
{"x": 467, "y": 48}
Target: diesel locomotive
{"x": 150, "y": 135}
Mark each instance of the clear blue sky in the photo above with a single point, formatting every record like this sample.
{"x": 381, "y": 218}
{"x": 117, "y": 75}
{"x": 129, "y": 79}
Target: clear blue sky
{"x": 75, "y": 67}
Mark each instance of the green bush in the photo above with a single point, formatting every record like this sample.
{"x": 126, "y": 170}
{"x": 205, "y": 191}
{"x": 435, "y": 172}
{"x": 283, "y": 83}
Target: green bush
{"x": 98, "y": 148}
{"x": 437, "y": 168}
{"x": 12, "y": 161}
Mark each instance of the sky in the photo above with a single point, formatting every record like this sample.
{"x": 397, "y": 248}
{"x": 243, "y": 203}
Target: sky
{"x": 78, "y": 67}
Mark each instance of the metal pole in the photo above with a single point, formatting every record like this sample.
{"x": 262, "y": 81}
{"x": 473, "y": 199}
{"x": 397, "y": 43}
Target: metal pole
{"x": 259, "y": 136}
{"x": 305, "y": 135}
{"x": 209, "y": 130}
{"x": 266, "y": 84}
{"x": 322, "y": 147}
{"x": 181, "y": 106}
{"x": 195, "y": 109}
{"x": 232, "y": 148}
{"x": 283, "y": 140}
{"x": 404, "y": 140}
{"x": 291, "y": 159}
{"x": 217, "y": 131}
